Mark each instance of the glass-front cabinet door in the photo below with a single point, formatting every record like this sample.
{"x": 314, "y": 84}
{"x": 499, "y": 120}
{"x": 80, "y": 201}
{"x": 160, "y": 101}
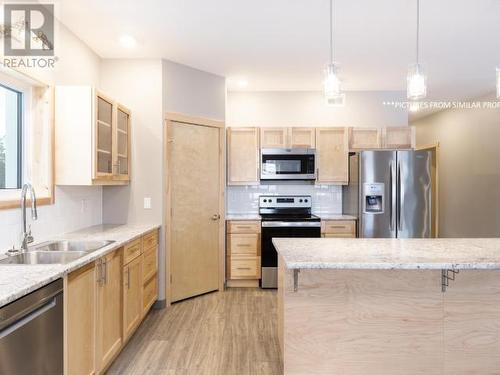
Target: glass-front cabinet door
{"x": 123, "y": 143}
{"x": 104, "y": 138}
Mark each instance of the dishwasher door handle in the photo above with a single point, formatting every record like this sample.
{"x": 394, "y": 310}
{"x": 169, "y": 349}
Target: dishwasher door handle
{"x": 28, "y": 318}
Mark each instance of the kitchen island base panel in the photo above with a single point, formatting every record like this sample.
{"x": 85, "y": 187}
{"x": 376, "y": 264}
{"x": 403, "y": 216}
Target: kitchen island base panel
{"x": 389, "y": 322}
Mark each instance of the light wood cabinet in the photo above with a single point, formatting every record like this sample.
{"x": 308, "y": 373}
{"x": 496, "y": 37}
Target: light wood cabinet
{"x": 273, "y": 137}
{"x": 80, "y": 321}
{"x": 243, "y": 253}
{"x": 332, "y": 156}
{"x": 399, "y": 137}
{"x": 149, "y": 270}
{"x": 287, "y": 137}
{"x": 338, "y": 228}
{"x": 101, "y": 129}
{"x": 365, "y": 138}
{"x": 132, "y": 296}
{"x": 109, "y": 308}
{"x": 243, "y": 151}
{"x": 302, "y": 137}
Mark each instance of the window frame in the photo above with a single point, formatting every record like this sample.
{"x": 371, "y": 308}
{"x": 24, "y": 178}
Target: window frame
{"x": 37, "y": 112}
{"x": 20, "y": 134}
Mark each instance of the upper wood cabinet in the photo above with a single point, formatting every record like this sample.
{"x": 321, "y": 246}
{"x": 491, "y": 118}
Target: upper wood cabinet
{"x": 399, "y": 137}
{"x": 92, "y": 138}
{"x": 365, "y": 138}
{"x": 287, "y": 138}
{"x": 332, "y": 155}
{"x": 302, "y": 137}
{"x": 243, "y": 150}
{"x": 273, "y": 137}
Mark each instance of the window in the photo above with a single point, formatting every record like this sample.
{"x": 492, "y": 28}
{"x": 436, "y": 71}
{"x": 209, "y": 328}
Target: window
{"x": 11, "y": 136}
{"x": 26, "y": 137}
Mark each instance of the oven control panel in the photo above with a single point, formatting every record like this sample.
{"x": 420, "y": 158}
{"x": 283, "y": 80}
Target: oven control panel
{"x": 280, "y": 201}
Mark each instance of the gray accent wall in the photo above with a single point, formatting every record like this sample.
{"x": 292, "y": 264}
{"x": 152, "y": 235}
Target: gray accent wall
{"x": 469, "y": 169}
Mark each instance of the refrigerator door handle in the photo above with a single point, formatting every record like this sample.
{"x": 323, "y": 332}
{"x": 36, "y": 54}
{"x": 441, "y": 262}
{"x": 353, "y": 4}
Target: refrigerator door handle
{"x": 399, "y": 198}
{"x": 392, "y": 195}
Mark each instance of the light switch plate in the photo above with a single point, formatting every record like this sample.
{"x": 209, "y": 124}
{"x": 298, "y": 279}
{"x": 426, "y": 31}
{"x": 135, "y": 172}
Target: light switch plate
{"x": 147, "y": 203}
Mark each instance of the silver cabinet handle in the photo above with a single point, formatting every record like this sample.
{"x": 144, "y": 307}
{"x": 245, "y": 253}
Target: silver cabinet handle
{"x": 128, "y": 277}
{"x": 99, "y": 271}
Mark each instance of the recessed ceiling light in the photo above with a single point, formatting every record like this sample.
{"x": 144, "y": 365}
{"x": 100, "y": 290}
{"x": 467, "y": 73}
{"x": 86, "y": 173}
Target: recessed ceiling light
{"x": 242, "y": 83}
{"x": 128, "y": 41}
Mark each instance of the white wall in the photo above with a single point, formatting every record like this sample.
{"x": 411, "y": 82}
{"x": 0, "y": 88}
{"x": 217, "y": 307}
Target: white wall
{"x": 193, "y": 92}
{"x": 308, "y": 108}
{"x": 75, "y": 207}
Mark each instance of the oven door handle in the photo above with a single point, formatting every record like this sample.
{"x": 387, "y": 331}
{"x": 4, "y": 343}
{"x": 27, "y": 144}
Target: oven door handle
{"x": 291, "y": 224}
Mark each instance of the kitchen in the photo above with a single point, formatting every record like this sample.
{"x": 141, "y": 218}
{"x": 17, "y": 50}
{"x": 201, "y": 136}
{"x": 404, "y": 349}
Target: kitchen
{"x": 202, "y": 202}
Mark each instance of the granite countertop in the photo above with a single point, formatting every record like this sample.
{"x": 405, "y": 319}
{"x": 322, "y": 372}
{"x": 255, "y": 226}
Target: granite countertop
{"x": 17, "y": 280}
{"x": 335, "y": 216}
{"x": 248, "y": 216}
{"x": 387, "y": 254}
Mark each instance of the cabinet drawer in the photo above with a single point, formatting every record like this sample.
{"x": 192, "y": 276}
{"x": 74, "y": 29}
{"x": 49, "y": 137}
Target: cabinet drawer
{"x": 150, "y": 240}
{"x": 131, "y": 251}
{"x": 149, "y": 264}
{"x": 339, "y": 235}
{"x": 149, "y": 294}
{"x": 245, "y": 268}
{"x": 243, "y": 227}
{"x": 339, "y": 227}
{"x": 243, "y": 244}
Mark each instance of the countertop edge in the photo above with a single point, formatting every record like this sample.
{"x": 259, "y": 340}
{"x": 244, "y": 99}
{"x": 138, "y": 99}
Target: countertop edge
{"x": 53, "y": 272}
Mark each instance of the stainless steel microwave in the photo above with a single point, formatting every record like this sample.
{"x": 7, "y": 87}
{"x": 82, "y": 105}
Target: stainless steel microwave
{"x": 288, "y": 164}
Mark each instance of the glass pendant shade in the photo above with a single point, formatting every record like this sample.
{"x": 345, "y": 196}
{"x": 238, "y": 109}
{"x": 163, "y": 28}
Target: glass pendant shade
{"x": 331, "y": 84}
{"x": 498, "y": 82}
{"x": 416, "y": 83}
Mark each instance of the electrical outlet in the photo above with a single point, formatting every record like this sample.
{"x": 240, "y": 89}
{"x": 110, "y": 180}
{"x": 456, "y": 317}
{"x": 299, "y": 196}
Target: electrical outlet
{"x": 83, "y": 206}
{"x": 147, "y": 203}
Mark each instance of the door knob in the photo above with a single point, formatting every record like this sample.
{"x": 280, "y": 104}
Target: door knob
{"x": 215, "y": 217}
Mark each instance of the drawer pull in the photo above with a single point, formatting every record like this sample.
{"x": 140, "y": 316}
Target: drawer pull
{"x": 244, "y": 268}
{"x": 338, "y": 226}
{"x": 243, "y": 226}
{"x": 243, "y": 245}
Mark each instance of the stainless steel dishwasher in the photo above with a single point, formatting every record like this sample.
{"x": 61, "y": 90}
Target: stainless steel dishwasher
{"x": 31, "y": 333}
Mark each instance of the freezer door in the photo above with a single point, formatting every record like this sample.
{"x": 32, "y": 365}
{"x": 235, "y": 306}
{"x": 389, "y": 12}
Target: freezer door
{"x": 414, "y": 218}
{"x": 377, "y": 194}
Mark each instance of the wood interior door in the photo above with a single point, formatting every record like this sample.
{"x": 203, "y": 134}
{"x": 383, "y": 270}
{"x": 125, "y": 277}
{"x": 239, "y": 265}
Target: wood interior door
{"x": 195, "y": 176}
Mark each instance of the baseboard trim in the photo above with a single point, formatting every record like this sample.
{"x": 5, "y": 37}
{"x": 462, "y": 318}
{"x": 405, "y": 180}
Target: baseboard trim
{"x": 160, "y": 304}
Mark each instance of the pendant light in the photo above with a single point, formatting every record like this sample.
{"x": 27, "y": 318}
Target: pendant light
{"x": 416, "y": 79}
{"x": 332, "y": 84}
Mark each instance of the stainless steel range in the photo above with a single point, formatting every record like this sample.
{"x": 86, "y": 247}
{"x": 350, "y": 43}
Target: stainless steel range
{"x": 283, "y": 216}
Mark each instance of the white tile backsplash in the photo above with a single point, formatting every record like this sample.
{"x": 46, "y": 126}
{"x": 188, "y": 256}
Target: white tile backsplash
{"x": 245, "y": 199}
{"x": 68, "y": 213}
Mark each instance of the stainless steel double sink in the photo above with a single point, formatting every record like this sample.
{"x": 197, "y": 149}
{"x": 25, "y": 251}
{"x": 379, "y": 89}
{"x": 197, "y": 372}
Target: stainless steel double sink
{"x": 56, "y": 252}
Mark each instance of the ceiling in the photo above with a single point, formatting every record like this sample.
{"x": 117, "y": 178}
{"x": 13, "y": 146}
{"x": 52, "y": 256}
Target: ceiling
{"x": 283, "y": 44}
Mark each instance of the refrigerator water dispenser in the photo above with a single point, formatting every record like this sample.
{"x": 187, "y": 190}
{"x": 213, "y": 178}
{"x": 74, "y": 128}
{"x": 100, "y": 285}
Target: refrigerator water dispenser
{"x": 373, "y": 198}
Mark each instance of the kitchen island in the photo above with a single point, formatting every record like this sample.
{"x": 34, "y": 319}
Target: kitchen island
{"x": 389, "y": 306}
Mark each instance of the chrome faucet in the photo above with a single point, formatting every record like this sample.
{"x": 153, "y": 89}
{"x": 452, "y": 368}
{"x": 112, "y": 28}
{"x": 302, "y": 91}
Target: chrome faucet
{"x": 27, "y": 237}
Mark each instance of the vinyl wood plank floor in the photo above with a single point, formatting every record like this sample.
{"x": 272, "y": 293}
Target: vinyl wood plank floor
{"x": 226, "y": 333}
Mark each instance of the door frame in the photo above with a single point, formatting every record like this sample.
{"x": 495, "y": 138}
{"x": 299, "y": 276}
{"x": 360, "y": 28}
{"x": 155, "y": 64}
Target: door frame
{"x": 170, "y": 118}
{"x": 435, "y": 149}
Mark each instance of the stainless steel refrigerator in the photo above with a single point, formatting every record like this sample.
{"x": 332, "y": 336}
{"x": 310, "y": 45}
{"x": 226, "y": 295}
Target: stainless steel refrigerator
{"x": 391, "y": 193}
